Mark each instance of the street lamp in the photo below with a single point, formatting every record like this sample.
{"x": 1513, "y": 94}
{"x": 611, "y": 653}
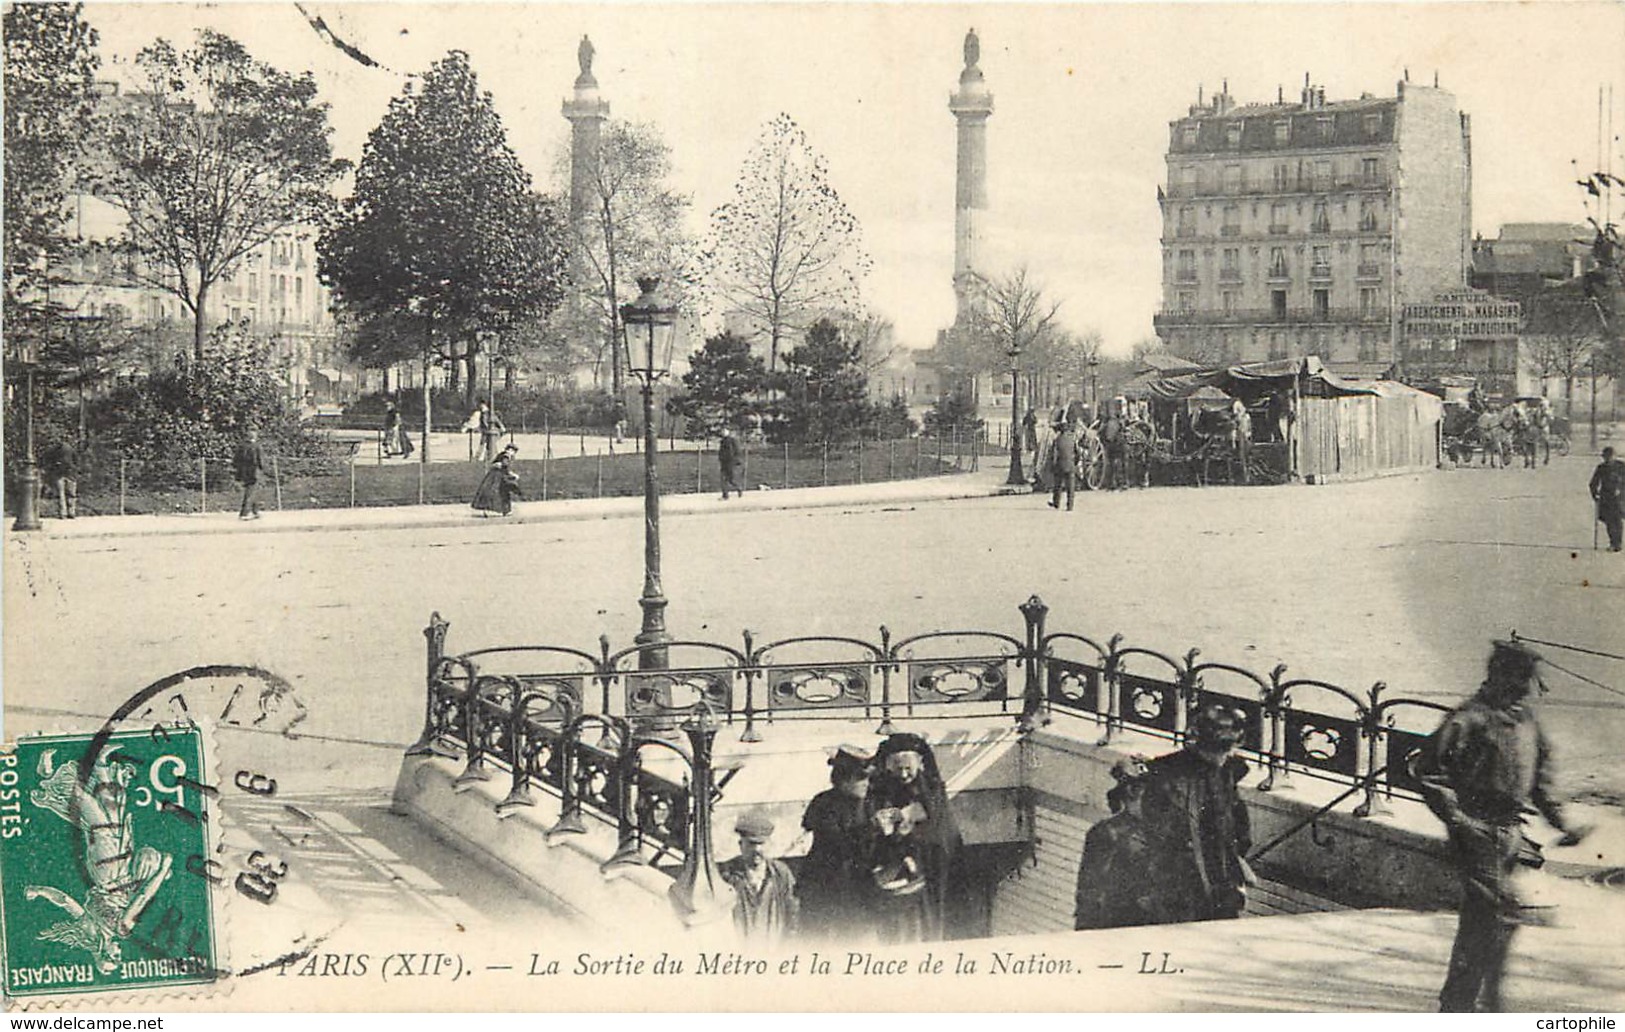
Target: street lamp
{"x": 1094, "y": 383}
{"x": 648, "y": 311}
{"x": 1016, "y": 478}
{"x": 28, "y": 502}
{"x": 699, "y": 895}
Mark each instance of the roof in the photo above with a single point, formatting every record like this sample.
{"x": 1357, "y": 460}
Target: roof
{"x": 1270, "y": 375}
{"x": 1162, "y": 361}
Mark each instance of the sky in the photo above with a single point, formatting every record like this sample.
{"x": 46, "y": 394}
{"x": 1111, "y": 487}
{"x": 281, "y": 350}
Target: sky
{"x": 1082, "y": 99}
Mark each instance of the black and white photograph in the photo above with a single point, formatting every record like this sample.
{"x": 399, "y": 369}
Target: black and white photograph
{"x": 800, "y": 507}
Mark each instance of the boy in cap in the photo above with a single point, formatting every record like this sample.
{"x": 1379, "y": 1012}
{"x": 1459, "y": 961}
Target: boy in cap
{"x": 1486, "y": 764}
{"x": 1109, "y": 877}
{"x": 1197, "y": 829}
{"x": 765, "y": 903}
{"x": 833, "y": 878}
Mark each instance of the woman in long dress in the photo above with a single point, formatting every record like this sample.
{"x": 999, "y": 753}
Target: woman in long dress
{"x": 499, "y": 486}
{"x": 835, "y": 882}
{"x": 917, "y": 862}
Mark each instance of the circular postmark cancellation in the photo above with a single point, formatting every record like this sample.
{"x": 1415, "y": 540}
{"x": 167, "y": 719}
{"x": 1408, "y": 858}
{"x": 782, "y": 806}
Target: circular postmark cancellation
{"x": 116, "y": 872}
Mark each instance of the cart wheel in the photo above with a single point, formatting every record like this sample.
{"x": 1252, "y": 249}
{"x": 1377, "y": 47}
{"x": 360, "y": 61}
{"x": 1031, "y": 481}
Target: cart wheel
{"x": 1094, "y": 471}
{"x": 1562, "y": 447}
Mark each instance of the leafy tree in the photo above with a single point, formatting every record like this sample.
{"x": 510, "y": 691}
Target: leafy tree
{"x": 216, "y": 155}
{"x": 785, "y": 249}
{"x": 955, "y": 410}
{"x": 826, "y": 394}
{"x": 722, "y": 380}
{"x": 443, "y": 225}
{"x": 50, "y": 69}
{"x": 636, "y": 224}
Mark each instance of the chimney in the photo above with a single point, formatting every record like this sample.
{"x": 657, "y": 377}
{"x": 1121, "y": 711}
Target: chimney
{"x": 1280, "y": 94}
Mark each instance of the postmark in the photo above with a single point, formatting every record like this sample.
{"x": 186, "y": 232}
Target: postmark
{"x": 97, "y": 833}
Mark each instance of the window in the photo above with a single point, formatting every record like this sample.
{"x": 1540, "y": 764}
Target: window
{"x": 1322, "y": 301}
{"x": 1373, "y": 125}
{"x": 1191, "y": 178}
{"x": 1327, "y": 127}
{"x": 1281, "y": 177}
{"x": 1231, "y": 267}
{"x": 1368, "y": 302}
{"x": 299, "y": 288}
{"x": 1278, "y": 223}
{"x": 1187, "y": 221}
{"x": 1232, "y": 134}
{"x": 1187, "y": 266}
{"x": 1368, "y": 169}
{"x": 1187, "y": 135}
{"x": 1186, "y": 300}
{"x": 253, "y": 283}
{"x": 1368, "y": 215}
{"x": 1368, "y": 346}
{"x": 1283, "y": 131}
{"x": 1228, "y": 300}
{"x": 1323, "y": 175}
{"x": 1278, "y": 305}
{"x": 1320, "y": 260}
{"x": 1278, "y": 263}
{"x": 1370, "y": 261}
{"x": 1277, "y": 345}
{"x": 1232, "y": 179}
{"x": 1322, "y": 222}
{"x": 1232, "y": 220}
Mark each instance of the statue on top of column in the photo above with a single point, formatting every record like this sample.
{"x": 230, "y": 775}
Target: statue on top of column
{"x": 584, "y": 54}
{"x": 973, "y": 49}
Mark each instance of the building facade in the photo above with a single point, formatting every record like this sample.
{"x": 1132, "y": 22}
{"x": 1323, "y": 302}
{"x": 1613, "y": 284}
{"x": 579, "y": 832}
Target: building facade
{"x": 1294, "y": 229}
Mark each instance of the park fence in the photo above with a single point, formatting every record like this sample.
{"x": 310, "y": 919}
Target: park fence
{"x": 577, "y": 724}
{"x": 569, "y": 466}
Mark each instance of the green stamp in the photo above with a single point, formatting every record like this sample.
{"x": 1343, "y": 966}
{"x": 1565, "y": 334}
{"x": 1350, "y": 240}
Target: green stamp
{"x": 100, "y": 854}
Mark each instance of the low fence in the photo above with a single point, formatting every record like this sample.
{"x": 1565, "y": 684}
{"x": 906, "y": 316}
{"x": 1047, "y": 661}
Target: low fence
{"x": 530, "y": 710}
{"x": 564, "y": 469}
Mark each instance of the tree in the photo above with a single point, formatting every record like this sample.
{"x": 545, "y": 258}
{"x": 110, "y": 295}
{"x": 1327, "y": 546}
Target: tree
{"x": 443, "y": 226}
{"x": 785, "y": 249}
{"x": 636, "y": 224}
{"x": 1020, "y": 317}
{"x": 826, "y": 394}
{"x": 216, "y": 155}
{"x": 722, "y": 379}
{"x": 50, "y": 69}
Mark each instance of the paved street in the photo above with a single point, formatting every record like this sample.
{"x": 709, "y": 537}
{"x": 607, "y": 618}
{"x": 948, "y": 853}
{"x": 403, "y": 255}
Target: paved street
{"x": 1401, "y": 580}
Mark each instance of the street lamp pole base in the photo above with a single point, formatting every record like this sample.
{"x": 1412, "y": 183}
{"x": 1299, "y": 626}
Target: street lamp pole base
{"x": 653, "y": 638}
{"x": 28, "y": 498}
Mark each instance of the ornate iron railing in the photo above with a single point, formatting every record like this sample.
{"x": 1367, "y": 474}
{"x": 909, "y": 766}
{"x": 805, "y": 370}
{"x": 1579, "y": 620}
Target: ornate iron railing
{"x": 580, "y": 729}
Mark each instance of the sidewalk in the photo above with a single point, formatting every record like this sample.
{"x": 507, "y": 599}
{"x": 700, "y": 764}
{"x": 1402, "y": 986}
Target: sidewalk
{"x": 986, "y": 483}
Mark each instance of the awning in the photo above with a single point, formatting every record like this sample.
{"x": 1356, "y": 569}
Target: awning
{"x": 327, "y": 374}
{"x": 1252, "y": 378}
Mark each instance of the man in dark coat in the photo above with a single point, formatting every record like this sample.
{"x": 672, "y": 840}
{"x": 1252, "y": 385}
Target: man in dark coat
{"x": 765, "y": 904}
{"x": 62, "y": 467}
{"x": 1608, "y": 492}
{"x": 1115, "y": 446}
{"x": 1111, "y": 878}
{"x": 247, "y": 464}
{"x": 1196, "y": 824}
{"x": 1064, "y": 464}
{"x": 1486, "y": 764}
{"x": 834, "y": 883}
{"x": 731, "y": 457}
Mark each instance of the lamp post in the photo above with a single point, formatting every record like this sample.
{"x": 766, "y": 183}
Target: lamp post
{"x": 1017, "y": 477}
{"x": 699, "y": 895}
{"x": 1094, "y": 383}
{"x": 29, "y": 480}
{"x": 648, "y": 312}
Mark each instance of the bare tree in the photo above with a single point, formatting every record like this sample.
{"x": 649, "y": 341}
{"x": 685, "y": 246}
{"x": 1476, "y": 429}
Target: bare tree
{"x": 1019, "y": 315}
{"x": 785, "y": 251}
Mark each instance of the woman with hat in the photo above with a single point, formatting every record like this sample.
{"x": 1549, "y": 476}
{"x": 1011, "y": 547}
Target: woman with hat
{"x": 915, "y": 868}
{"x": 834, "y": 877}
{"x": 1111, "y": 876}
{"x": 499, "y": 486}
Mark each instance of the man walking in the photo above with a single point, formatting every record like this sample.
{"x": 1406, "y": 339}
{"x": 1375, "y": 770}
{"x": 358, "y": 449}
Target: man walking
{"x": 1064, "y": 465}
{"x": 491, "y": 430}
{"x": 1196, "y": 826}
{"x": 730, "y": 457}
{"x": 1486, "y": 764}
{"x": 247, "y": 464}
{"x": 1608, "y": 493}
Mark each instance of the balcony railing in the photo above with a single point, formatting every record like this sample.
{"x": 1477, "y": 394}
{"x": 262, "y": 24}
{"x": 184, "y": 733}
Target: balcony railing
{"x": 1279, "y": 229}
{"x": 1185, "y": 276}
{"x": 1185, "y": 233}
{"x": 1368, "y": 270}
{"x": 1320, "y": 271}
{"x": 1270, "y": 316}
{"x": 1230, "y": 231}
{"x": 1306, "y": 185}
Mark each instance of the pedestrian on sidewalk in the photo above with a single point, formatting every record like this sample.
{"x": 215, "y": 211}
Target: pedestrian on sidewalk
{"x": 731, "y": 457}
{"x": 247, "y": 463}
{"x": 1064, "y": 465}
{"x": 490, "y": 430}
{"x": 1196, "y": 825}
{"x": 1608, "y": 495}
{"x": 62, "y": 470}
{"x": 765, "y": 903}
{"x": 1486, "y": 764}
{"x": 499, "y": 486}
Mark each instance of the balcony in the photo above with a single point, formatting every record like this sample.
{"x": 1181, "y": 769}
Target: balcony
{"x": 1279, "y": 229}
{"x": 1186, "y": 233}
{"x": 1271, "y": 317}
{"x": 1185, "y": 276}
{"x": 1306, "y": 185}
{"x": 1230, "y": 231}
{"x": 1368, "y": 270}
{"x": 1368, "y": 224}
{"x": 1320, "y": 271}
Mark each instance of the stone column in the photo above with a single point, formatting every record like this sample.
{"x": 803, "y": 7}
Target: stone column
{"x": 971, "y": 105}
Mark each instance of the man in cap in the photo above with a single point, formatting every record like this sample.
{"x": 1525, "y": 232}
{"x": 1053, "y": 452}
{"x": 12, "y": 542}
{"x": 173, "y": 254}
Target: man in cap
{"x": 1064, "y": 464}
{"x": 1110, "y": 881}
{"x": 765, "y": 904}
{"x": 1196, "y": 825}
{"x": 1486, "y": 764}
{"x": 1608, "y": 493}
{"x": 834, "y": 884}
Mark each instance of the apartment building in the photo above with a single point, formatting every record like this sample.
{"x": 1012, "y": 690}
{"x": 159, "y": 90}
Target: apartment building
{"x": 1304, "y": 228}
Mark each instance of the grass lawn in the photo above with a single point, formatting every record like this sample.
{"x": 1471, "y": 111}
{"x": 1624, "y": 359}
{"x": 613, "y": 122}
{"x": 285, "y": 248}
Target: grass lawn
{"x": 451, "y": 483}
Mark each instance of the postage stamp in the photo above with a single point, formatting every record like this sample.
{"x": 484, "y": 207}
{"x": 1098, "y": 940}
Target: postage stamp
{"x": 97, "y": 836}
